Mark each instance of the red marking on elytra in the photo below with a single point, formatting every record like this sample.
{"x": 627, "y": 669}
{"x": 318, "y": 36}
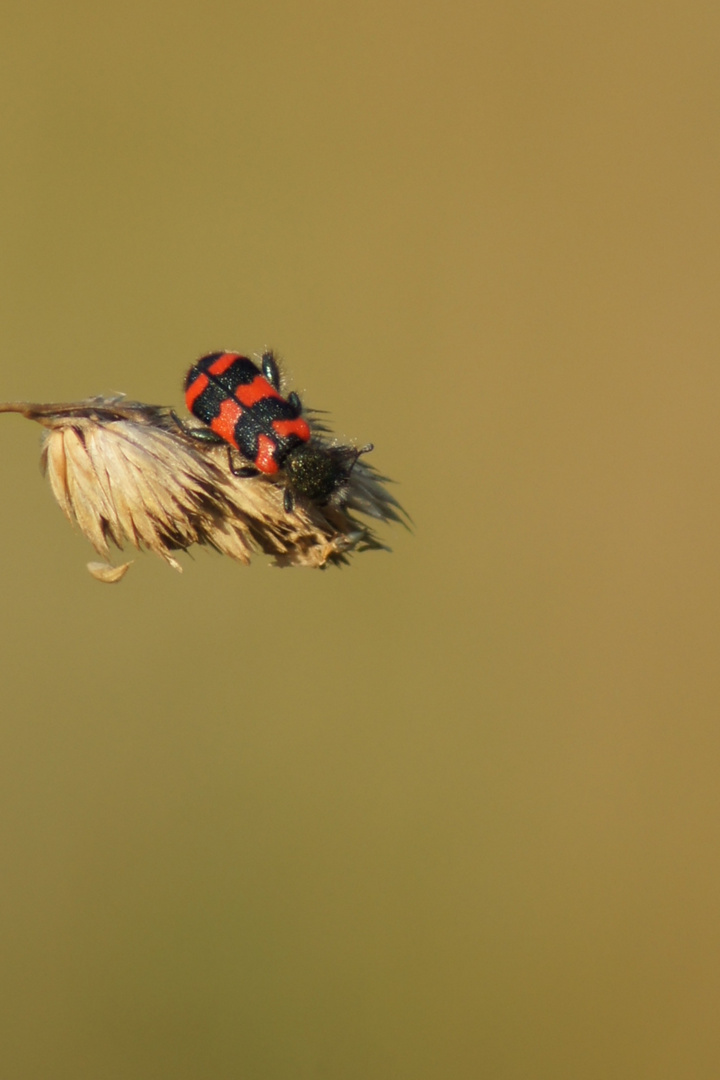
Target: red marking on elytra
{"x": 297, "y": 427}
{"x": 265, "y": 459}
{"x": 219, "y": 366}
{"x": 249, "y": 394}
{"x": 194, "y": 390}
{"x": 224, "y": 424}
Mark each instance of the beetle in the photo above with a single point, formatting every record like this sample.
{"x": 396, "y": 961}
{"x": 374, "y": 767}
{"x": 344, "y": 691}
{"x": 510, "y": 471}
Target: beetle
{"x": 242, "y": 406}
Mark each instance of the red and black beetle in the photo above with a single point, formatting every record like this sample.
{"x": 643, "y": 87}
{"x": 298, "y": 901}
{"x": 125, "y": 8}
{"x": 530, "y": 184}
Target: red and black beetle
{"x": 242, "y": 406}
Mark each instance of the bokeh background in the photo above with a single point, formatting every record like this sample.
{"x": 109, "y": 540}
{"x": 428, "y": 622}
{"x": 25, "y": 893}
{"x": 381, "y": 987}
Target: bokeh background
{"x": 453, "y": 811}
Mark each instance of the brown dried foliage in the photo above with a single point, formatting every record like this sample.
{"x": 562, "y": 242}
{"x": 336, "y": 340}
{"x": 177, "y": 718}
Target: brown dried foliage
{"x": 126, "y": 472}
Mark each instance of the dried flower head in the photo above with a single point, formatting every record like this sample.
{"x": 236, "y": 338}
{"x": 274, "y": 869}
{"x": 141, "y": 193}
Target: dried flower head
{"x": 126, "y": 472}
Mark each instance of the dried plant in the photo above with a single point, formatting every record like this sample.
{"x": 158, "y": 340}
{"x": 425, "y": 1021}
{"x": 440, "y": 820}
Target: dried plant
{"x": 129, "y": 472}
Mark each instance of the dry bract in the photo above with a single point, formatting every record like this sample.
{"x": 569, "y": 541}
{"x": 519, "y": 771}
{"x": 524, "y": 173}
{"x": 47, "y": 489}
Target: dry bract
{"x": 127, "y": 472}
{"x": 109, "y": 574}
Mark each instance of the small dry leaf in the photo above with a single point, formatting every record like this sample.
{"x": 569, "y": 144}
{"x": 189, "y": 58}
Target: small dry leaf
{"x": 103, "y": 571}
{"x": 125, "y": 472}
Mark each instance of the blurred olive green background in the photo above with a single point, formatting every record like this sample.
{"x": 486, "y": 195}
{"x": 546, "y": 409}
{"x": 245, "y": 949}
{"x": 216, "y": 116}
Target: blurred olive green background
{"x": 453, "y": 811}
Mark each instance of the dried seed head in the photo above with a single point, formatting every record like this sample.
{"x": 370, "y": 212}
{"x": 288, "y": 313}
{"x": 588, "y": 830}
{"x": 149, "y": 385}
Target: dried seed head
{"x": 127, "y": 473}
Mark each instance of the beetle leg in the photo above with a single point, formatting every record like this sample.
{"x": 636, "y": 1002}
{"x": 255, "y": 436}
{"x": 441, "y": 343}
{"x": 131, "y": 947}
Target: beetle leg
{"x": 270, "y": 369}
{"x": 202, "y": 434}
{"x": 244, "y": 471}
